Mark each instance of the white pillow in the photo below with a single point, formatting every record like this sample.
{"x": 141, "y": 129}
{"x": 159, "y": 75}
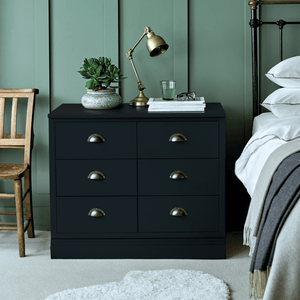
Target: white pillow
{"x": 283, "y": 110}
{"x": 286, "y": 73}
{"x": 284, "y": 95}
{"x": 283, "y": 102}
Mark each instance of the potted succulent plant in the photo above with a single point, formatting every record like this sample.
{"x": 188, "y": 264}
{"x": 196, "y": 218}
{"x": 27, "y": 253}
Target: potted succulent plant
{"x": 101, "y": 73}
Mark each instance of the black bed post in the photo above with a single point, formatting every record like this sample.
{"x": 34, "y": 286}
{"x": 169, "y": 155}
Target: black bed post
{"x": 254, "y": 23}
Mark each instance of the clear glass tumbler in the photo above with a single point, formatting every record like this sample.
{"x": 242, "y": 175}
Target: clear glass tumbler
{"x": 168, "y": 89}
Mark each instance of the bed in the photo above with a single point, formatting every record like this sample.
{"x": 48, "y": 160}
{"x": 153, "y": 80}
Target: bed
{"x": 269, "y": 168}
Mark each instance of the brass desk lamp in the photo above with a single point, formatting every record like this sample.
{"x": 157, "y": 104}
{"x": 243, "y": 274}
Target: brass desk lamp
{"x": 156, "y": 46}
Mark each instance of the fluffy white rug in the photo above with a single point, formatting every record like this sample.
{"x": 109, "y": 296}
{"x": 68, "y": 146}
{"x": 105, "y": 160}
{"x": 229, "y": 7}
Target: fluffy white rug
{"x": 153, "y": 285}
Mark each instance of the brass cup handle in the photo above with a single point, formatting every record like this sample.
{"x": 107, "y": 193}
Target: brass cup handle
{"x": 96, "y": 138}
{"x": 96, "y": 213}
{"x": 177, "y": 138}
{"x": 178, "y": 212}
{"x": 96, "y": 175}
{"x": 178, "y": 175}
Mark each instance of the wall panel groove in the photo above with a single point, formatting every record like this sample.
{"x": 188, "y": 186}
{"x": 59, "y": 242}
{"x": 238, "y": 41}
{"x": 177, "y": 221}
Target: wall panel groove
{"x": 111, "y": 30}
{"x": 181, "y": 51}
{"x": 42, "y": 107}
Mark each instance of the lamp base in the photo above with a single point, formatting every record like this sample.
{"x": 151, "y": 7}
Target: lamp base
{"x": 140, "y": 100}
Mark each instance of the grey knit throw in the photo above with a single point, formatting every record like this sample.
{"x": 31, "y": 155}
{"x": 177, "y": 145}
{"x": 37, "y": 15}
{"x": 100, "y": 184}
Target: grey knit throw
{"x": 283, "y": 193}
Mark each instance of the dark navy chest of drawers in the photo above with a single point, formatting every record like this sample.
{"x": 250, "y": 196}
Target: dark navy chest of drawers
{"x": 127, "y": 183}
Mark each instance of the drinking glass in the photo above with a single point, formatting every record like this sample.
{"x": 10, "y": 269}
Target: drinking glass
{"x": 168, "y": 89}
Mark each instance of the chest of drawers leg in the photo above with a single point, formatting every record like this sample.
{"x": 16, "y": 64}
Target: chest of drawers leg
{"x": 126, "y": 183}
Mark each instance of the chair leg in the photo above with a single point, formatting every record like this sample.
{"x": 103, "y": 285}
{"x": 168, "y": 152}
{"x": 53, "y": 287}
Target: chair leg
{"x": 19, "y": 214}
{"x": 28, "y": 204}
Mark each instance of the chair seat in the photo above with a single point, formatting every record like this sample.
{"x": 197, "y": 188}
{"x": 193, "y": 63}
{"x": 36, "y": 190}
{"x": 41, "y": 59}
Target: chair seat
{"x": 12, "y": 171}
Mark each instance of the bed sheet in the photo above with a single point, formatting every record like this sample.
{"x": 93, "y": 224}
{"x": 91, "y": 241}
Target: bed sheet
{"x": 270, "y": 133}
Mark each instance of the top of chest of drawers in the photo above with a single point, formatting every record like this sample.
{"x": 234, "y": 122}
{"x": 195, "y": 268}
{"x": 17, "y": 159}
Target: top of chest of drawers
{"x": 125, "y": 111}
{"x": 130, "y": 137}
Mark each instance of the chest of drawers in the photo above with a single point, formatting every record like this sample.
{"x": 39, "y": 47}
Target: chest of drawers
{"x": 127, "y": 183}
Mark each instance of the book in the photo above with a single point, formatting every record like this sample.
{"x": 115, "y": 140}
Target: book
{"x": 158, "y": 104}
{"x": 179, "y": 109}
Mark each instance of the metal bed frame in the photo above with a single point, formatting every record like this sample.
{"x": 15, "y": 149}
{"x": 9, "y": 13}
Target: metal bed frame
{"x": 255, "y": 23}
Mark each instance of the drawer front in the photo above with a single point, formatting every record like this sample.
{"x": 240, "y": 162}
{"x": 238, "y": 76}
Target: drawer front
{"x": 72, "y": 177}
{"x": 73, "y": 214}
{"x": 202, "y": 140}
{"x": 154, "y": 177}
{"x": 202, "y": 214}
{"x": 72, "y": 140}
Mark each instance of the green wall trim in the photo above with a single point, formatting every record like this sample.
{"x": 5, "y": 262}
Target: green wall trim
{"x": 41, "y": 211}
{"x": 180, "y": 45}
{"x": 111, "y": 30}
{"x": 42, "y": 108}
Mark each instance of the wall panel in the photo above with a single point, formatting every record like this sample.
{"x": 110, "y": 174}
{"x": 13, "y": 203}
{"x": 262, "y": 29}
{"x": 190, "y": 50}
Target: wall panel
{"x": 216, "y": 71}
{"x": 42, "y": 108}
{"x": 24, "y": 63}
{"x": 166, "y": 18}
{"x": 76, "y": 32}
{"x": 17, "y": 28}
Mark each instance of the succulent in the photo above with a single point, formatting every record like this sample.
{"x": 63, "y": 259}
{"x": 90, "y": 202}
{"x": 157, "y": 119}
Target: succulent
{"x": 100, "y": 73}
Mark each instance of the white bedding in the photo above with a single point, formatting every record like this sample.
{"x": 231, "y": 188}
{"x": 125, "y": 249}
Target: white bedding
{"x": 274, "y": 138}
{"x": 270, "y": 133}
{"x": 262, "y": 120}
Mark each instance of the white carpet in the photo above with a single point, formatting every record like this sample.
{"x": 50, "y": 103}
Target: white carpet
{"x": 153, "y": 285}
{"x": 37, "y": 276}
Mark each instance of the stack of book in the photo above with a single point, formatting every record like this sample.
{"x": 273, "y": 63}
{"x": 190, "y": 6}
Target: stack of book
{"x": 158, "y": 104}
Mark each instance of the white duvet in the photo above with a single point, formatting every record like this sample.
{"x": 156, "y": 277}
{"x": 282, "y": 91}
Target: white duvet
{"x": 270, "y": 133}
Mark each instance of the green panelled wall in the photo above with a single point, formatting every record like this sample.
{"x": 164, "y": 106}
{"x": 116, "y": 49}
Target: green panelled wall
{"x": 76, "y": 31}
{"x": 163, "y": 17}
{"x": 24, "y": 63}
{"x": 43, "y": 44}
{"x": 217, "y": 62}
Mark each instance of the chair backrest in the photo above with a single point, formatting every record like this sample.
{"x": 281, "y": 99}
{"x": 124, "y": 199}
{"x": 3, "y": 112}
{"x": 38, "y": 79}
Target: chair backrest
{"x": 13, "y": 139}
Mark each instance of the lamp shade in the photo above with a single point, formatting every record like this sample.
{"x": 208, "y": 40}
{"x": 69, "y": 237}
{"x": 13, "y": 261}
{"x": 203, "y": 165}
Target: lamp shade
{"x": 156, "y": 45}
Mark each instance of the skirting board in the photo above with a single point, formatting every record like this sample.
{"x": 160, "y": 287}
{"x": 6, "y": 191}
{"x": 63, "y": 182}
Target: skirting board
{"x": 138, "y": 249}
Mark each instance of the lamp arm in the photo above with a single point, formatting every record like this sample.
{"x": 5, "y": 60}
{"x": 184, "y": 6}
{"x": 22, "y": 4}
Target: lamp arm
{"x": 140, "y": 85}
{"x": 129, "y": 55}
{"x": 146, "y": 31}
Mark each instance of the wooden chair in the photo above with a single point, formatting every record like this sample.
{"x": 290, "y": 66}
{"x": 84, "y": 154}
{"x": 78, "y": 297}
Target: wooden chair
{"x": 16, "y": 172}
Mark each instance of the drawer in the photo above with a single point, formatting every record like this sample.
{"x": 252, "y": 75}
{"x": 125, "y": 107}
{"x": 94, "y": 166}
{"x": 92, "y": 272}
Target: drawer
{"x": 202, "y": 140}
{"x": 202, "y": 214}
{"x": 202, "y": 177}
{"x": 73, "y": 214}
{"x": 72, "y": 177}
{"x": 72, "y": 140}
